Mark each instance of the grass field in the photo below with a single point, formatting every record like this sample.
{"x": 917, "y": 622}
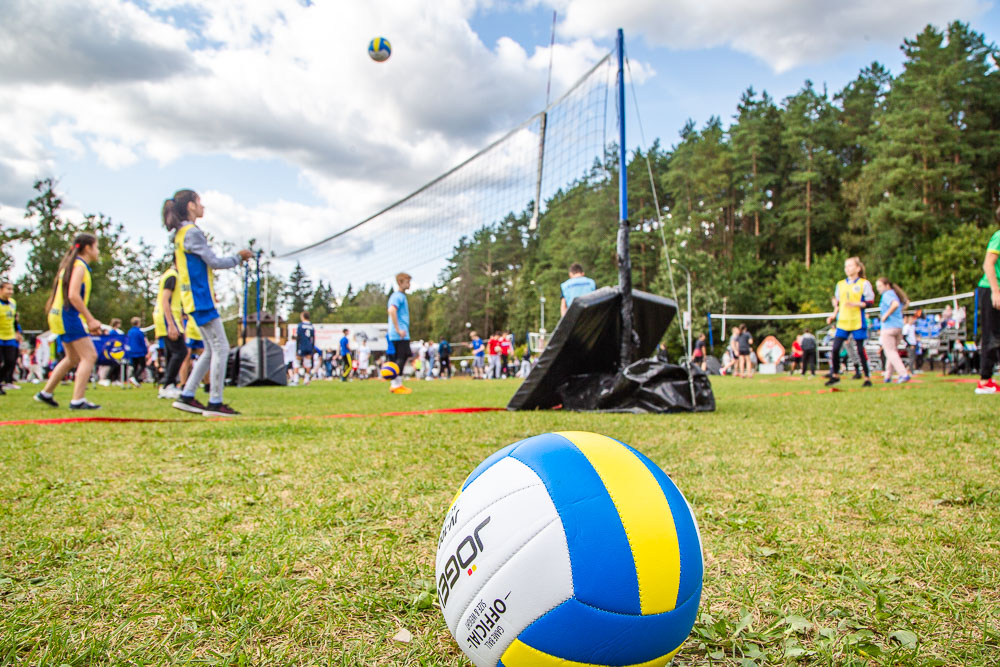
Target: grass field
{"x": 859, "y": 527}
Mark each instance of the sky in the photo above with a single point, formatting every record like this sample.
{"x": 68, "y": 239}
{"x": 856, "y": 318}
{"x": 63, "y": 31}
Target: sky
{"x": 273, "y": 111}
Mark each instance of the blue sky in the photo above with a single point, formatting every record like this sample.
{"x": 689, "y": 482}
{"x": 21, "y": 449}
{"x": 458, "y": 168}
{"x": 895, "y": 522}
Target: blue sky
{"x": 272, "y": 110}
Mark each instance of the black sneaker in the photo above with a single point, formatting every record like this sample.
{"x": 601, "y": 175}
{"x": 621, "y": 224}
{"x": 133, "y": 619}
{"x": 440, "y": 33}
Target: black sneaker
{"x": 218, "y": 410}
{"x": 189, "y": 404}
{"x": 86, "y": 405}
{"x": 832, "y": 381}
{"x": 857, "y": 376}
{"x": 47, "y": 400}
{"x": 867, "y": 383}
{"x": 2, "y": 392}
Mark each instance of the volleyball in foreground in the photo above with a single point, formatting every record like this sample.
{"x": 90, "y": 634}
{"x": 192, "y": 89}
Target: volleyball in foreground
{"x": 390, "y": 369}
{"x": 379, "y": 49}
{"x": 565, "y": 549}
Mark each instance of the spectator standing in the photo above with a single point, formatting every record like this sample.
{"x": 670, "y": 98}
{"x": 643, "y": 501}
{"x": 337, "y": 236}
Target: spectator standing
{"x": 506, "y": 351}
{"x": 346, "y": 359}
{"x": 989, "y": 315}
{"x": 698, "y": 357}
{"x": 136, "y": 350}
{"x": 478, "y": 356}
{"x": 796, "y": 354}
{"x": 493, "y": 347}
{"x": 890, "y": 307}
{"x": 444, "y": 355}
{"x": 577, "y": 285}
{"x": 807, "y": 341}
{"x": 745, "y": 345}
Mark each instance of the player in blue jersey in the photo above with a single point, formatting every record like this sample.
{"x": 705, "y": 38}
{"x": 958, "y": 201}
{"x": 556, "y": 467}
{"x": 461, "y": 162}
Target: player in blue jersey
{"x": 478, "y": 356}
{"x": 577, "y": 285}
{"x": 305, "y": 346}
{"x": 346, "y": 359}
{"x": 399, "y": 331}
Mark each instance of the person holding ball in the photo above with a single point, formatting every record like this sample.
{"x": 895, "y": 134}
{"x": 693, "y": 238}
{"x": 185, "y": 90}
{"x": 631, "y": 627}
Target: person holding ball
{"x": 71, "y": 320}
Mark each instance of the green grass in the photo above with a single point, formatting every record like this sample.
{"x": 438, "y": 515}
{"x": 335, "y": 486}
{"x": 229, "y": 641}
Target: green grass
{"x": 848, "y": 528}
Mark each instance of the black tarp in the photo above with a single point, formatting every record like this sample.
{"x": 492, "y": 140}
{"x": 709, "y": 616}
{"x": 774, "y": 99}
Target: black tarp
{"x": 579, "y": 368}
{"x": 252, "y": 373}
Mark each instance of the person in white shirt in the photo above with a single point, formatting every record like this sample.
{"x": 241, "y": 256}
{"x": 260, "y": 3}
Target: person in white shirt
{"x": 291, "y": 363}
{"x": 364, "y": 358}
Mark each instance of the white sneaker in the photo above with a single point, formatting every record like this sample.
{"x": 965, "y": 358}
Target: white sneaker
{"x": 170, "y": 392}
{"x": 134, "y": 382}
{"x": 105, "y": 383}
{"x": 8, "y": 387}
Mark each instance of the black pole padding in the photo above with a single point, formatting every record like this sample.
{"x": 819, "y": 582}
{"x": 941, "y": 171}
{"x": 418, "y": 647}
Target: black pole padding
{"x": 628, "y": 344}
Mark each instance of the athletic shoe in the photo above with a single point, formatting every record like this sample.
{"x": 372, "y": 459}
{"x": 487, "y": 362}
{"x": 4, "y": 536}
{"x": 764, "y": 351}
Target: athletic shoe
{"x": 866, "y": 383}
{"x": 10, "y": 385}
{"x": 987, "y": 387}
{"x": 47, "y": 400}
{"x": 2, "y": 392}
{"x": 218, "y": 410}
{"x": 105, "y": 383}
{"x": 170, "y": 392}
{"x": 832, "y": 381}
{"x": 857, "y": 376}
{"x": 904, "y": 379}
{"x": 401, "y": 390}
{"x": 134, "y": 382}
{"x": 189, "y": 404}
{"x": 86, "y": 405}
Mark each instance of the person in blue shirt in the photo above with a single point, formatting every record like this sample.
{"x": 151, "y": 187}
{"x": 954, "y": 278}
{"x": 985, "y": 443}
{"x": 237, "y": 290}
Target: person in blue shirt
{"x": 478, "y": 356}
{"x": 136, "y": 350}
{"x": 305, "y": 345}
{"x": 399, "y": 331}
{"x": 890, "y": 307}
{"x": 577, "y": 285}
{"x": 346, "y": 361}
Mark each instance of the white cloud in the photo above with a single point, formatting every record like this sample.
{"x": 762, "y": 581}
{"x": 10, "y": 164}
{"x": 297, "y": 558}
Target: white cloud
{"x": 782, "y": 33}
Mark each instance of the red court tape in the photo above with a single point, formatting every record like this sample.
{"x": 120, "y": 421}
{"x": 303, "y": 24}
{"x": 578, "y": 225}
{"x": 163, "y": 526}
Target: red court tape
{"x": 349, "y": 415}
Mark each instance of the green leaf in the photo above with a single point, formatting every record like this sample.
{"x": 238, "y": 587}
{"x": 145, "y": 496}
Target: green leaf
{"x": 906, "y": 639}
{"x": 797, "y": 624}
{"x": 743, "y": 624}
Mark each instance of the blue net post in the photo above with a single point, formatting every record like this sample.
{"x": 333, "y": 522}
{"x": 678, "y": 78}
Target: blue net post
{"x": 624, "y": 255}
{"x": 711, "y": 337}
{"x": 975, "y": 318}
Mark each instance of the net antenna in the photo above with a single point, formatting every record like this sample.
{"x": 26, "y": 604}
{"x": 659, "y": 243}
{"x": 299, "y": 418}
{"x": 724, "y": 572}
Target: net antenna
{"x": 533, "y": 225}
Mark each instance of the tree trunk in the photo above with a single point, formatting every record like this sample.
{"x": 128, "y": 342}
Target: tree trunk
{"x": 808, "y": 223}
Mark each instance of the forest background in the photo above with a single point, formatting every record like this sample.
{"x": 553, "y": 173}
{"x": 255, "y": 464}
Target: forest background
{"x": 901, "y": 171}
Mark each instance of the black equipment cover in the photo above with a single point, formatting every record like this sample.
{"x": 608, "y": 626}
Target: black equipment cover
{"x": 252, "y": 373}
{"x": 578, "y": 368}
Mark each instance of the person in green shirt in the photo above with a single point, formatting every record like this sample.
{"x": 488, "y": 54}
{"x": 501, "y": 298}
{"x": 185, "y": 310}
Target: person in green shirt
{"x": 988, "y": 292}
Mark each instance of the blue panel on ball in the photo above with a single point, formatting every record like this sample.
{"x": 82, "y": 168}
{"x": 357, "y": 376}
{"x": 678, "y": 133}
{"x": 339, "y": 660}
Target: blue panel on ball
{"x": 600, "y": 556}
{"x": 692, "y": 565}
{"x": 581, "y": 633}
{"x": 490, "y": 460}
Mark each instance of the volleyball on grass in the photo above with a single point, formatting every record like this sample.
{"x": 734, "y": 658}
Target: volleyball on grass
{"x": 565, "y": 549}
{"x": 389, "y": 370}
{"x": 379, "y": 49}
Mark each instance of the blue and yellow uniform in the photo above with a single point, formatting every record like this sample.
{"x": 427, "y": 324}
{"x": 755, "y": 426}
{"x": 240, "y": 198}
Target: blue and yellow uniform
{"x": 9, "y": 327}
{"x": 193, "y": 335}
{"x": 851, "y": 319}
{"x": 196, "y": 280}
{"x": 168, "y": 280}
{"x": 65, "y": 320}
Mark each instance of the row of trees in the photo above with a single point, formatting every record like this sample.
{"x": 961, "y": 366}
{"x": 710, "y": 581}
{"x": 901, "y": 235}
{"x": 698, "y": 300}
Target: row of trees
{"x": 903, "y": 171}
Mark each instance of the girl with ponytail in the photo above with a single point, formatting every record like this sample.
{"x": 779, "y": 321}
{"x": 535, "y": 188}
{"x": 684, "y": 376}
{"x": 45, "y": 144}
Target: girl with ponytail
{"x": 70, "y": 319}
{"x": 195, "y": 261}
{"x": 891, "y": 306}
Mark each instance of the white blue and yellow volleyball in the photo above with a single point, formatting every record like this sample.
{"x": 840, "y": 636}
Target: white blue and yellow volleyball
{"x": 114, "y": 350}
{"x": 569, "y": 549}
{"x": 379, "y": 49}
{"x": 389, "y": 370}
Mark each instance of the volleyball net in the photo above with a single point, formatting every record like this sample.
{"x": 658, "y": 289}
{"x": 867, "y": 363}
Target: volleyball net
{"x": 561, "y": 146}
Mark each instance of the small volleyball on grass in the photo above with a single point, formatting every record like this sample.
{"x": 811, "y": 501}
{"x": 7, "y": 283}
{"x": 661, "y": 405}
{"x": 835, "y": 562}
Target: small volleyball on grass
{"x": 569, "y": 549}
{"x": 389, "y": 370}
{"x": 379, "y": 49}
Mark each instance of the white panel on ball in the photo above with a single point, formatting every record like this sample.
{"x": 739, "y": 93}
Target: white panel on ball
{"x": 485, "y": 536}
{"x": 537, "y": 578}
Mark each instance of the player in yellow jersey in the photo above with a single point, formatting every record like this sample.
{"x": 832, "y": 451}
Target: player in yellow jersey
{"x": 10, "y": 336}
{"x": 852, "y": 296}
{"x": 70, "y": 319}
{"x": 167, "y": 318}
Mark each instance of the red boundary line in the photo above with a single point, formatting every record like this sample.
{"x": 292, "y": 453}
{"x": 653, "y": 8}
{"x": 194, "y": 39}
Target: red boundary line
{"x": 348, "y": 415}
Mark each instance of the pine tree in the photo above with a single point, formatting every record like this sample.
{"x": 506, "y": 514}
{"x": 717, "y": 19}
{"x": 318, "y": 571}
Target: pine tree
{"x": 298, "y": 293}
